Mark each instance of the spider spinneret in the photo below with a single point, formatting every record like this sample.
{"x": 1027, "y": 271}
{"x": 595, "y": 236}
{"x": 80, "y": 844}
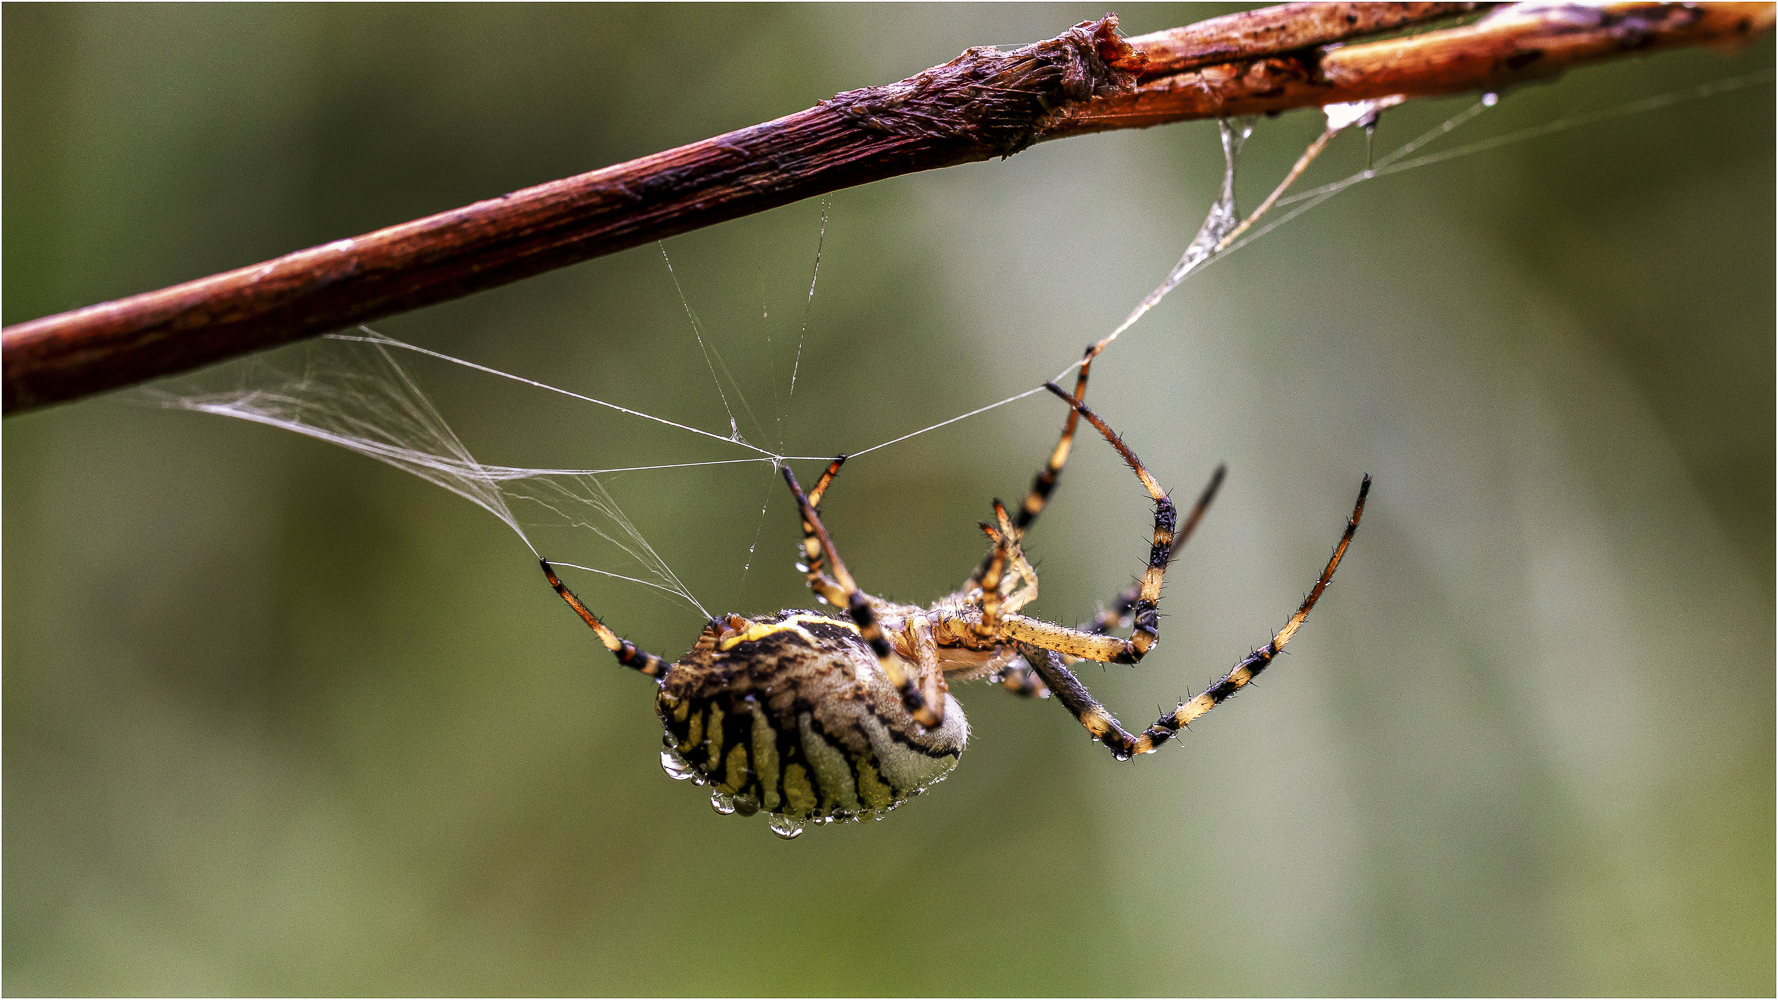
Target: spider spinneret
{"x": 817, "y": 718}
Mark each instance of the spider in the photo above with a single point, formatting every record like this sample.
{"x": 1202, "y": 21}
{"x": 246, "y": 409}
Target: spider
{"x": 817, "y": 718}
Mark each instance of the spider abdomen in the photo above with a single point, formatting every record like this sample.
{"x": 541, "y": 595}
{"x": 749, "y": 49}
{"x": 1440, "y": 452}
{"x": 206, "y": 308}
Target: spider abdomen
{"x": 792, "y": 714}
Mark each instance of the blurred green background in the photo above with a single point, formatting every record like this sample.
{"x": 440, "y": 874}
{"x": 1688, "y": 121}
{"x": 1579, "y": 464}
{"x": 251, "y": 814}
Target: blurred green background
{"x": 279, "y": 719}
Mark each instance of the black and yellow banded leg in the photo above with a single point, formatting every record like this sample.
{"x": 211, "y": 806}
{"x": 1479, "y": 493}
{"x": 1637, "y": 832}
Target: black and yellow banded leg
{"x": 626, "y": 651}
{"x": 1144, "y": 613}
{"x": 1047, "y": 663}
{"x": 1052, "y": 470}
{"x": 1105, "y": 727}
{"x": 859, "y": 607}
{"x": 1009, "y": 584}
{"x": 1045, "y": 482}
{"x": 812, "y": 561}
{"x": 1005, "y": 564}
{"x": 1117, "y": 614}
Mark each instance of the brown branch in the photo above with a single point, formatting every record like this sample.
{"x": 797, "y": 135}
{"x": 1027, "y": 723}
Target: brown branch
{"x": 984, "y": 103}
{"x": 1511, "y": 45}
{"x": 1271, "y": 31}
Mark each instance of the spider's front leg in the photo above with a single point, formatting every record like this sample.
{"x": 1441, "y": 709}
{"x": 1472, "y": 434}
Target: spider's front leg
{"x": 1045, "y": 482}
{"x": 1104, "y": 726}
{"x": 1144, "y": 613}
{"x": 1117, "y": 615}
{"x": 1022, "y": 679}
{"x": 859, "y": 607}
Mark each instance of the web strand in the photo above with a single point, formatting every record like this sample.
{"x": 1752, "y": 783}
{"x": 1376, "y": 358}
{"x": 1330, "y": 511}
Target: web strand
{"x": 370, "y": 404}
{"x": 711, "y": 357}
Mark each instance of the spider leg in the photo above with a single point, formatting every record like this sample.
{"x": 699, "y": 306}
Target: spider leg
{"x": 859, "y": 607}
{"x": 826, "y": 480}
{"x": 1022, "y": 679}
{"x": 626, "y": 651}
{"x": 1104, "y": 726}
{"x": 820, "y": 583}
{"x": 1118, "y": 614}
{"x": 933, "y": 687}
{"x": 1007, "y": 569}
{"x": 1052, "y": 470}
{"x": 1045, "y": 482}
{"x": 1020, "y": 569}
{"x": 1144, "y": 613}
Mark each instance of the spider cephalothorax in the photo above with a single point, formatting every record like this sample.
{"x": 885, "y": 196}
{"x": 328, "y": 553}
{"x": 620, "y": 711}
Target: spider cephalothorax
{"x": 813, "y": 717}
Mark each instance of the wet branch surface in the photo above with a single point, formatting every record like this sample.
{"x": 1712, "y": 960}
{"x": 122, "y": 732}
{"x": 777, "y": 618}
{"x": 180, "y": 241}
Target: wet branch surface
{"x": 985, "y": 103}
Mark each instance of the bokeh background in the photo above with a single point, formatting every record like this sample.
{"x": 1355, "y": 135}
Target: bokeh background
{"x": 281, "y": 719}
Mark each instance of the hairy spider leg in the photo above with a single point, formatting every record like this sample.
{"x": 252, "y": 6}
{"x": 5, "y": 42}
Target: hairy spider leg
{"x": 988, "y": 598}
{"x": 626, "y": 651}
{"x": 1022, "y": 679}
{"x": 1045, "y": 482}
{"x": 1117, "y": 615}
{"x": 1144, "y": 614}
{"x": 1105, "y": 727}
{"x": 826, "y": 480}
{"x": 820, "y": 583}
{"x": 859, "y": 607}
{"x": 1017, "y": 566}
{"x": 1052, "y": 470}
{"x": 1010, "y": 583}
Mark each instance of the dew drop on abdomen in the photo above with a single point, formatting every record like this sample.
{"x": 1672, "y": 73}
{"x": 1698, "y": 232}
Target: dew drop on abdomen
{"x": 785, "y": 827}
{"x": 675, "y": 765}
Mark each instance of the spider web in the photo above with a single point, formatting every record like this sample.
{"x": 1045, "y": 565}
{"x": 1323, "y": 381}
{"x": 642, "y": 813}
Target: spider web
{"x": 353, "y": 391}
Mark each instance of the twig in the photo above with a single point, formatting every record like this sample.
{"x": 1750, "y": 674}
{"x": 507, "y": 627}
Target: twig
{"x": 1511, "y": 45}
{"x": 984, "y": 103}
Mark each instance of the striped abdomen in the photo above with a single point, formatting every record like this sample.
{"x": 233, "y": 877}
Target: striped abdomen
{"x": 794, "y": 717}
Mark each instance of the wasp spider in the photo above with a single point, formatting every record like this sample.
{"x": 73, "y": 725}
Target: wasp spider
{"x": 816, "y": 718}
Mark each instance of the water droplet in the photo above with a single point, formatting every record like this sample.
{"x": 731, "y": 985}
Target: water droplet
{"x": 1490, "y": 99}
{"x": 785, "y": 827}
{"x": 723, "y": 804}
{"x": 675, "y": 765}
{"x": 746, "y": 805}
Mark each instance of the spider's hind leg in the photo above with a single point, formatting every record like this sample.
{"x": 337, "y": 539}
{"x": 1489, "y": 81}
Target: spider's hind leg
{"x": 627, "y": 652}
